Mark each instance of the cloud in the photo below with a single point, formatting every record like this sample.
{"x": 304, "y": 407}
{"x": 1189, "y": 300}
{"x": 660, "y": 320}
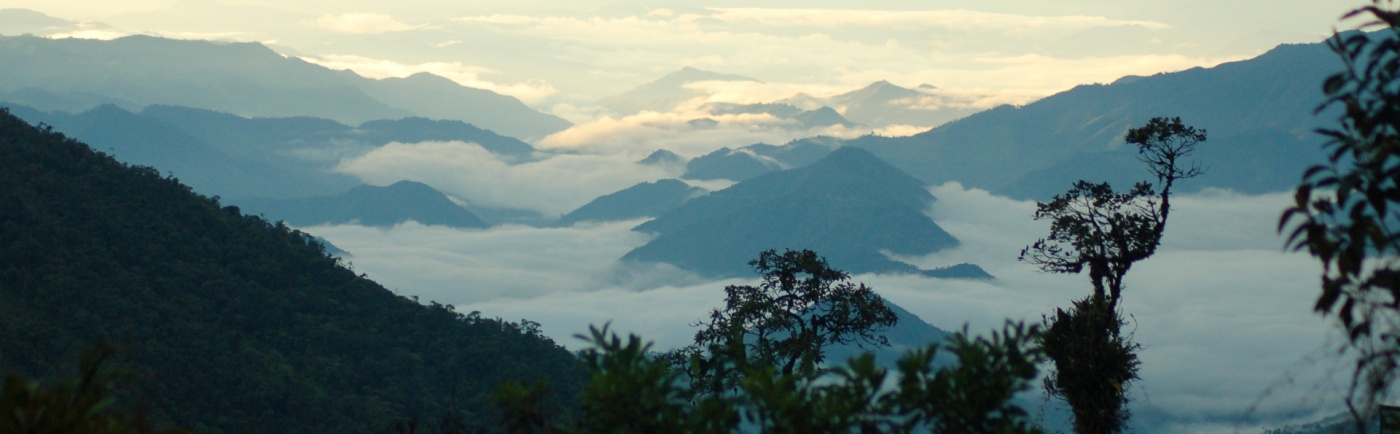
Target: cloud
{"x": 361, "y": 23}
{"x": 529, "y": 91}
{"x": 467, "y": 266}
{"x": 553, "y": 185}
{"x": 958, "y": 19}
{"x": 98, "y": 34}
{"x": 642, "y": 133}
{"x": 1224, "y": 316}
{"x": 1000, "y": 56}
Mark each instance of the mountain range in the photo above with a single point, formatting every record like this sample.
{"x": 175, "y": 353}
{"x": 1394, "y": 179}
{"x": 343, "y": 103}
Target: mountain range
{"x": 247, "y": 79}
{"x": 850, "y": 207}
{"x": 242, "y": 158}
{"x": 882, "y": 104}
{"x": 666, "y": 93}
{"x": 369, "y": 205}
{"x": 879, "y": 104}
{"x": 647, "y": 199}
{"x": 1258, "y": 113}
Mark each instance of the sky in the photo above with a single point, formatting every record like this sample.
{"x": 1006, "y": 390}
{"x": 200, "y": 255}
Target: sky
{"x": 561, "y": 57}
{"x": 1230, "y": 342}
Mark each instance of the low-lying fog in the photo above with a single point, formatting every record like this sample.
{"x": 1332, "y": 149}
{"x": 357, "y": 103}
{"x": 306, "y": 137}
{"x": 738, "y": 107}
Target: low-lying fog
{"x": 1223, "y": 314}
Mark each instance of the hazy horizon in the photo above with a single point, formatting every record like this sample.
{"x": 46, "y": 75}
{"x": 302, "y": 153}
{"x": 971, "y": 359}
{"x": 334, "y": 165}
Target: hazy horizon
{"x": 562, "y": 58}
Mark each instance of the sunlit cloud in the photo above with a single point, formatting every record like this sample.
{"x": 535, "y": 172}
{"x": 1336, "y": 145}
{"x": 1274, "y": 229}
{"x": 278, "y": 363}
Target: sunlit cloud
{"x": 688, "y": 131}
{"x": 950, "y": 19}
{"x": 360, "y": 23}
{"x": 529, "y": 92}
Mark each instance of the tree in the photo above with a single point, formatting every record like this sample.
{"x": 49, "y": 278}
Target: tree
{"x": 801, "y": 306}
{"x": 631, "y": 392}
{"x": 1106, "y": 232}
{"x": 1093, "y": 227}
{"x": 635, "y": 391}
{"x": 84, "y": 404}
{"x": 1345, "y": 209}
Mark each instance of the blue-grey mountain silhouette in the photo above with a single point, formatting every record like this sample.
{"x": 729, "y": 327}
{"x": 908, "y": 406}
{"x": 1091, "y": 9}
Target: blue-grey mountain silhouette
{"x": 850, "y": 206}
{"x": 647, "y": 199}
{"x": 370, "y": 206}
{"x": 247, "y": 79}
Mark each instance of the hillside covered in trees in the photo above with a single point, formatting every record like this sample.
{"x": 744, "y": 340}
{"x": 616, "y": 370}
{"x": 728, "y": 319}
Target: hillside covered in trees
{"x": 232, "y": 324}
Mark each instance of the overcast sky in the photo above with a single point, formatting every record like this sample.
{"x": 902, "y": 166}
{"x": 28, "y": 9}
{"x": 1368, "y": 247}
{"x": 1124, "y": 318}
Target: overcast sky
{"x": 560, "y": 56}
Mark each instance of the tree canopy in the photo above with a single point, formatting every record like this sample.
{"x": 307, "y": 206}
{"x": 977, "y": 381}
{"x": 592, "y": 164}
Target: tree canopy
{"x": 801, "y": 306}
{"x": 1345, "y": 209}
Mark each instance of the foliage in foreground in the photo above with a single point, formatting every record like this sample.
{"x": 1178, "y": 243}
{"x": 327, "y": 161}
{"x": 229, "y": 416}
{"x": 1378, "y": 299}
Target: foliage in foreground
{"x": 1345, "y": 209}
{"x": 801, "y": 306}
{"x": 755, "y": 368}
{"x": 84, "y": 404}
{"x": 635, "y": 391}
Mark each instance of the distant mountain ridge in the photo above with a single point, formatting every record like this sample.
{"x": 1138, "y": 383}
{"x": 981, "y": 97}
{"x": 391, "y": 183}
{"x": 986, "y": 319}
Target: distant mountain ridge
{"x": 883, "y": 104}
{"x": 665, "y": 93}
{"x": 241, "y": 158}
{"x": 247, "y": 79}
{"x": 369, "y": 205}
{"x": 850, "y": 207}
{"x": 878, "y": 105}
{"x": 1259, "y": 115}
{"x": 647, "y": 199}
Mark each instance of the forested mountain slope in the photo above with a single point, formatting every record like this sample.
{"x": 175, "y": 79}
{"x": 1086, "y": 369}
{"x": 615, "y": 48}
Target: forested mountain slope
{"x": 236, "y": 325}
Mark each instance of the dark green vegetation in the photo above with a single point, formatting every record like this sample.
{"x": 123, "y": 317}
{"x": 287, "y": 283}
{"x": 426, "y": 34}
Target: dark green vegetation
{"x": 234, "y": 323}
{"x": 1095, "y": 229}
{"x": 850, "y": 204}
{"x": 246, "y": 78}
{"x": 754, "y": 368}
{"x": 1344, "y": 210}
{"x": 801, "y": 306}
{"x": 648, "y": 199}
{"x": 370, "y": 206}
{"x": 83, "y": 404}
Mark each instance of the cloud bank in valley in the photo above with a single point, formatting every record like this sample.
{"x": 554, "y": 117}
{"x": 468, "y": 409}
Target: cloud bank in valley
{"x": 554, "y": 185}
{"x": 1222, "y": 313}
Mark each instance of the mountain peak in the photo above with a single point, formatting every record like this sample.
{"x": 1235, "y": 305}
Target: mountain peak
{"x": 691, "y": 74}
{"x": 850, "y": 206}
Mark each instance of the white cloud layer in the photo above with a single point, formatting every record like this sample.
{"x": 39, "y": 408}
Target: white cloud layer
{"x": 554, "y": 185}
{"x": 1223, "y": 315}
{"x": 958, "y": 19}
